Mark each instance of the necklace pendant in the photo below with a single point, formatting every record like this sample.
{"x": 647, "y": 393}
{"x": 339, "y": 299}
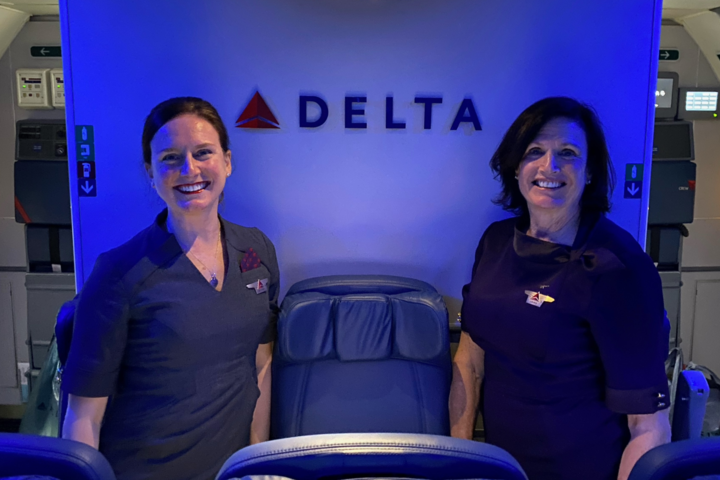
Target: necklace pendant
{"x": 213, "y": 280}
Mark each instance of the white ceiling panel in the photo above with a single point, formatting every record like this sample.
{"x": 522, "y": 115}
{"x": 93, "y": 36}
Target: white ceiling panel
{"x": 34, "y": 7}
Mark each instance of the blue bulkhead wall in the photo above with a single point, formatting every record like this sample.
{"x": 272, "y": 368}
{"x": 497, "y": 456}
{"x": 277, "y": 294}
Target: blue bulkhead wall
{"x": 383, "y": 199}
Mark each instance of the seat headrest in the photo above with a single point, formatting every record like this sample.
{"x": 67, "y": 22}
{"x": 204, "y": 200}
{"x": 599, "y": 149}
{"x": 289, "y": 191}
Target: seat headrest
{"x": 356, "y": 326}
{"x": 57, "y": 458}
{"x": 372, "y": 455}
{"x": 348, "y": 284}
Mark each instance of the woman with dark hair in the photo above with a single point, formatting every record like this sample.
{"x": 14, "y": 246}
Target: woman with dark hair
{"x": 169, "y": 366}
{"x": 563, "y": 323}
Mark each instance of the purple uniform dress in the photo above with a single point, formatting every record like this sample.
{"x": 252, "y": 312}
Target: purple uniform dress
{"x": 176, "y": 357}
{"x": 575, "y": 339}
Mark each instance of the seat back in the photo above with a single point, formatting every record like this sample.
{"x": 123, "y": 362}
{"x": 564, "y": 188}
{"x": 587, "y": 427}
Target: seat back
{"x": 363, "y": 455}
{"x": 22, "y": 455}
{"x": 361, "y": 354}
{"x": 680, "y": 461}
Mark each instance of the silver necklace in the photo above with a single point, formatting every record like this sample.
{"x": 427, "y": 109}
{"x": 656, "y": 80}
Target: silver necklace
{"x": 213, "y": 277}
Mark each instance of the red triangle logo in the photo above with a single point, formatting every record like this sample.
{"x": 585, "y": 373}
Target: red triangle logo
{"x": 257, "y": 114}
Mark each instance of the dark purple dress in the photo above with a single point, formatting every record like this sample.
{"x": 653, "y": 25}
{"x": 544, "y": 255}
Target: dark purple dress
{"x": 574, "y": 339}
{"x": 176, "y": 356}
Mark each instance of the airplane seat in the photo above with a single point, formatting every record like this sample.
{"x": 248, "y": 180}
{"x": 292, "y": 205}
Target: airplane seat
{"x": 32, "y": 456}
{"x": 366, "y": 455}
{"x": 358, "y": 353}
{"x": 681, "y": 460}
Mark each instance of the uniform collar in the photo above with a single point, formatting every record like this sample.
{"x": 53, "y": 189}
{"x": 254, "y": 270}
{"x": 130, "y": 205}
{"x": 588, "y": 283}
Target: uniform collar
{"x": 540, "y": 251}
{"x": 588, "y": 249}
{"x": 167, "y": 246}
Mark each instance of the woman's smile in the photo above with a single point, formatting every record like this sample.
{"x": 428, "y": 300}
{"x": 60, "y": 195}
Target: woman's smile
{"x": 548, "y": 184}
{"x": 192, "y": 188}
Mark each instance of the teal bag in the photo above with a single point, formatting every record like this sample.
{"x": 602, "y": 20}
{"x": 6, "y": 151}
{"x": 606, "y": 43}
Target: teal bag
{"x": 42, "y": 411}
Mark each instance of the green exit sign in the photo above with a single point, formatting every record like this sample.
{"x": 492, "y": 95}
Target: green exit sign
{"x": 669, "y": 54}
{"x": 46, "y": 51}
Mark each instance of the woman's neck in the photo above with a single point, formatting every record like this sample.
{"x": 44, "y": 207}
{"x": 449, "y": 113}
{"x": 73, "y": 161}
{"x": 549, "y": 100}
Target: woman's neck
{"x": 554, "y": 226}
{"x": 200, "y": 227}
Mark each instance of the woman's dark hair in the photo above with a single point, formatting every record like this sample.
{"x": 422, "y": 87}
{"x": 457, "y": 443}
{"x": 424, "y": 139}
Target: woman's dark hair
{"x": 508, "y": 156}
{"x": 174, "y": 107}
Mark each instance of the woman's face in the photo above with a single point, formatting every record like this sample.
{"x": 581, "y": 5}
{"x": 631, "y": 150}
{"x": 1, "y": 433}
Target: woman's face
{"x": 188, "y": 166}
{"x": 552, "y": 175}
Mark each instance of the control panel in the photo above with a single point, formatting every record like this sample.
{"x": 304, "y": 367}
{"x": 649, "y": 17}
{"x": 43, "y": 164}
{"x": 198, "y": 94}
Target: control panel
{"x": 32, "y": 88}
{"x": 41, "y": 140}
{"x": 57, "y": 87}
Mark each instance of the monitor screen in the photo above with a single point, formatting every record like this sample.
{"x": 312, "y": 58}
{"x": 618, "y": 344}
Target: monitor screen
{"x": 698, "y": 103}
{"x": 666, "y": 95}
{"x": 663, "y": 93}
{"x": 701, "y": 101}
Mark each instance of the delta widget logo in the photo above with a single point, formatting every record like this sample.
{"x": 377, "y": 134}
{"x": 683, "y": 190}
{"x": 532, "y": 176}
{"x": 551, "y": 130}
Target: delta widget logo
{"x": 257, "y": 114}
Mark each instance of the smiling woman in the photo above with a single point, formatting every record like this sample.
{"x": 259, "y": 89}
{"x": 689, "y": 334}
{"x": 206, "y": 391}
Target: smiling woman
{"x": 165, "y": 324}
{"x": 563, "y": 321}
{"x": 187, "y": 158}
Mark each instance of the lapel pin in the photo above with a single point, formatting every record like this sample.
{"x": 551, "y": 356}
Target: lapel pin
{"x": 260, "y": 286}
{"x": 537, "y": 299}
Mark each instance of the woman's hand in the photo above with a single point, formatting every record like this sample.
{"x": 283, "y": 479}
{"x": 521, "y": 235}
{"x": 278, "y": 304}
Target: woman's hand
{"x": 84, "y": 418}
{"x": 646, "y": 433}
{"x": 468, "y": 372}
{"x": 260, "y": 427}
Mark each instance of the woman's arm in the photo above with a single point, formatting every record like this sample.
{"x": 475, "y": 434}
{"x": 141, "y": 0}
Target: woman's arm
{"x": 646, "y": 433}
{"x": 260, "y": 427}
{"x": 468, "y": 372}
{"x": 84, "y": 418}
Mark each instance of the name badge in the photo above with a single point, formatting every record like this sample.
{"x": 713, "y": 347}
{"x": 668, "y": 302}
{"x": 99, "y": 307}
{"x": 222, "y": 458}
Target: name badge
{"x": 260, "y": 286}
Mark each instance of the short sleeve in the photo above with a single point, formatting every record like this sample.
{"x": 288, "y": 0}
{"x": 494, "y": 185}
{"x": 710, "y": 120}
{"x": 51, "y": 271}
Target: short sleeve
{"x": 273, "y": 292}
{"x": 627, "y": 320}
{"x": 99, "y": 333}
{"x": 466, "y": 287}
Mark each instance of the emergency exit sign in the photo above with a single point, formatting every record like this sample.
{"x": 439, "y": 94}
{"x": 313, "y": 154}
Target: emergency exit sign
{"x": 45, "y": 51}
{"x": 669, "y": 54}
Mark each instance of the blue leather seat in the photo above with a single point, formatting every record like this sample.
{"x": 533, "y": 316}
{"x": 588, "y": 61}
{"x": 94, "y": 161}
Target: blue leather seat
{"x": 51, "y": 457}
{"x": 373, "y": 454}
{"x": 680, "y": 461}
{"x": 361, "y": 354}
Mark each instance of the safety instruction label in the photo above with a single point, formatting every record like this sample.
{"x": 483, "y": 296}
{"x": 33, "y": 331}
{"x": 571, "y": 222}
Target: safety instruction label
{"x": 633, "y": 190}
{"x": 87, "y": 188}
{"x": 634, "y": 172}
{"x": 86, "y": 170}
{"x": 85, "y": 155}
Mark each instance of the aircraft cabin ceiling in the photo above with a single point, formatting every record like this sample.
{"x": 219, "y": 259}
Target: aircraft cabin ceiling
{"x": 33, "y": 7}
{"x": 675, "y": 9}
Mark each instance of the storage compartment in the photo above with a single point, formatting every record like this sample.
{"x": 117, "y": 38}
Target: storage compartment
{"x": 42, "y": 192}
{"x": 672, "y": 193}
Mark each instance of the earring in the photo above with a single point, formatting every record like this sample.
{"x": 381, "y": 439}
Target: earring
{"x": 516, "y": 177}
{"x": 587, "y": 182}
{"x": 152, "y": 183}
